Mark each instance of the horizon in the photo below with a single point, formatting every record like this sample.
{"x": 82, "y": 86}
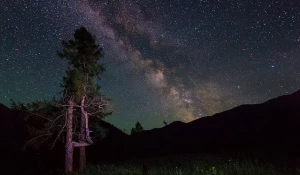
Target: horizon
{"x": 165, "y": 61}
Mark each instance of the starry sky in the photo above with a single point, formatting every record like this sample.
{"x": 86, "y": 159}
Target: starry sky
{"x": 165, "y": 59}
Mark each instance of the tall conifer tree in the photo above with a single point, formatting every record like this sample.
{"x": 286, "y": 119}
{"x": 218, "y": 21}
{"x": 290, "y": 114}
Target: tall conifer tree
{"x": 80, "y": 89}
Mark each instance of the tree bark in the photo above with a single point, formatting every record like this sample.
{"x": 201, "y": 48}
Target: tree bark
{"x": 69, "y": 134}
{"x": 84, "y": 127}
{"x": 82, "y": 155}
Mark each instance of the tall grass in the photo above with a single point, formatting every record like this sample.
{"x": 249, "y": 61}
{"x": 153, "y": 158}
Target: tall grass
{"x": 189, "y": 166}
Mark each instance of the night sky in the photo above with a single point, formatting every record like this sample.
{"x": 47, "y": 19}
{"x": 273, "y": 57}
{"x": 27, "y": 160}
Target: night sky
{"x": 165, "y": 60}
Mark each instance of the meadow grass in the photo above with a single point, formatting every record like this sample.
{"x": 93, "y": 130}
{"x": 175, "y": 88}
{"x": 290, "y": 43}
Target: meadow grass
{"x": 189, "y": 165}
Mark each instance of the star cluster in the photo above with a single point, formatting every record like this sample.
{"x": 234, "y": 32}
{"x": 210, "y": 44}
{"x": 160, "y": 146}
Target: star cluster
{"x": 165, "y": 60}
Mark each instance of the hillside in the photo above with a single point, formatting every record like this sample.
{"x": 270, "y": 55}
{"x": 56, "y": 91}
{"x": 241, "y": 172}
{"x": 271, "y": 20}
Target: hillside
{"x": 269, "y": 128}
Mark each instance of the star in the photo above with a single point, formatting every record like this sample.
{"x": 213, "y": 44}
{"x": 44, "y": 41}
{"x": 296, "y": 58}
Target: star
{"x": 165, "y": 60}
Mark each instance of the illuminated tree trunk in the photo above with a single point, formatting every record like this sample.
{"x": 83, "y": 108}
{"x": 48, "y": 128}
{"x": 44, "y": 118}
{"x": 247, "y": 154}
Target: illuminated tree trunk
{"x": 69, "y": 144}
{"x": 84, "y": 128}
{"x": 82, "y": 154}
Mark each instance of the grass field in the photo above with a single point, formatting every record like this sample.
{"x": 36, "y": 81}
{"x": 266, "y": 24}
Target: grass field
{"x": 190, "y": 165}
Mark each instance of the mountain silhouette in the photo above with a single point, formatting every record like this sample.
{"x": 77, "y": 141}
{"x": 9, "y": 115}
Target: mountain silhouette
{"x": 272, "y": 127}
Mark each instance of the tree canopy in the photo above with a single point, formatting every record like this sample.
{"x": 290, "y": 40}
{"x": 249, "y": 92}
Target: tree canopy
{"x": 138, "y": 128}
{"x": 80, "y": 105}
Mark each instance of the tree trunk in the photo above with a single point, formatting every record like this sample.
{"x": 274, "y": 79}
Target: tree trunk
{"x": 69, "y": 134}
{"x": 84, "y": 127}
{"x": 82, "y": 155}
{"x": 82, "y": 158}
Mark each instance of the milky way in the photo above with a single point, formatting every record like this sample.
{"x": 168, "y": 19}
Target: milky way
{"x": 165, "y": 60}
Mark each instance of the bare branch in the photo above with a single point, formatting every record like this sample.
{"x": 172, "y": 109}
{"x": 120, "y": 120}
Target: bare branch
{"x": 60, "y": 132}
{"x": 34, "y": 114}
{"x": 29, "y": 141}
{"x": 77, "y": 106}
{"x": 80, "y": 144}
{"x": 102, "y": 106}
{"x": 54, "y": 122}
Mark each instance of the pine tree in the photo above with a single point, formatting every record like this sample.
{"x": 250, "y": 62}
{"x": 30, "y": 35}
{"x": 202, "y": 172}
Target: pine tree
{"x": 81, "y": 89}
{"x": 138, "y": 128}
{"x": 81, "y": 105}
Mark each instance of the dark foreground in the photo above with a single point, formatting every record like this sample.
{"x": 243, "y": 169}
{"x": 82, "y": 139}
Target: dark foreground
{"x": 194, "y": 165}
{"x": 265, "y": 131}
